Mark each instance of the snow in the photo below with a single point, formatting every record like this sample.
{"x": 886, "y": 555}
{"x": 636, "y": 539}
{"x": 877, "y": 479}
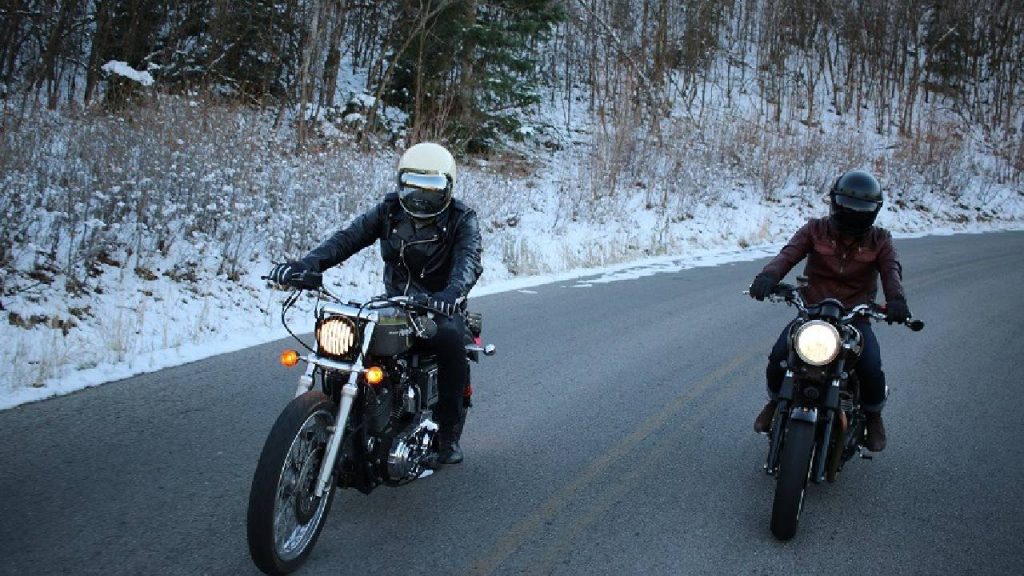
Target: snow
{"x": 229, "y": 325}
{"x": 121, "y": 68}
{"x": 569, "y": 217}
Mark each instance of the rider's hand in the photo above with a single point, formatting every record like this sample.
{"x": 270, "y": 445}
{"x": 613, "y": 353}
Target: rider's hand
{"x": 283, "y": 273}
{"x": 763, "y": 285}
{"x": 445, "y": 301}
{"x": 896, "y": 310}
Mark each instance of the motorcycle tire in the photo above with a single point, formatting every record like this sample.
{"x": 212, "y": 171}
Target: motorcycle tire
{"x": 283, "y": 484}
{"x": 791, "y": 479}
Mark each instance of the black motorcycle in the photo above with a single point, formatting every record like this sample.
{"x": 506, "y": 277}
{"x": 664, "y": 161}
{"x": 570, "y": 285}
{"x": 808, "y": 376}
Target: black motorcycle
{"x": 361, "y": 417}
{"x": 818, "y": 425}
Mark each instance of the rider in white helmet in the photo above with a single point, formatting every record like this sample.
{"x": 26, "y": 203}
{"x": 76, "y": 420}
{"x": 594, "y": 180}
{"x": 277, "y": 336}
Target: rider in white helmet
{"x": 431, "y": 246}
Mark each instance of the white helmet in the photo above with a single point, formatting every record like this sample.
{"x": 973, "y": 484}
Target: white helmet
{"x": 426, "y": 177}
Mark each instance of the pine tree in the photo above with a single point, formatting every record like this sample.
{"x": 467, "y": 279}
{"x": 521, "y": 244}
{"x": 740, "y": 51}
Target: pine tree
{"x": 469, "y": 69}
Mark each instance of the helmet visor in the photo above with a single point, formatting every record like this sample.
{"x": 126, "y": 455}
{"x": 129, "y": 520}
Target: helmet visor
{"x": 423, "y": 181}
{"x": 423, "y": 195}
{"x": 856, "y": 204}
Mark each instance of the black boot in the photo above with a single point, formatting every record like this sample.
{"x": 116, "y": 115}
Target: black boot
{"x": 875, "y": 440}
{"x": 448, "y": 451}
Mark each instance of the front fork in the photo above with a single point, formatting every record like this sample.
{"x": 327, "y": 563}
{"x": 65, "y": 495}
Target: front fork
{"x": 785, "y": 398}
{"x": 830, "y": 405}
{"x": 348, "y": 396}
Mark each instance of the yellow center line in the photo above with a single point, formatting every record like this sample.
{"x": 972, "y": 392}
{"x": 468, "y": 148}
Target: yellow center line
{"x": 521, "y": 531}
{"x": 599, "y": 505}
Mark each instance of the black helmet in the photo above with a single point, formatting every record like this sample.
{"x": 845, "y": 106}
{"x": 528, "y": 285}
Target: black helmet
{"x": 855, "y": 200}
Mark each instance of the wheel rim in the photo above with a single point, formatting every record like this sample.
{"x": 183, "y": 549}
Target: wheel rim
{"x": 297, "y": 511}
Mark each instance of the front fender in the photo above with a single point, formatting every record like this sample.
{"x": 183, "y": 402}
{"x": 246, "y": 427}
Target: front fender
{"x": 804, "y": 413}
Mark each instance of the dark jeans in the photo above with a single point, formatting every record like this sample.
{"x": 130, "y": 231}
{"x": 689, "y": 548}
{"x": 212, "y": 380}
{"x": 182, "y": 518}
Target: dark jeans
{"x": 868, "y": 368}
{"x": 449, "y": 344}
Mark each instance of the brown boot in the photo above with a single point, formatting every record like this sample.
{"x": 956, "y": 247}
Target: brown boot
{"x": 875, "y": 441}
{"x": 763, "y": 422}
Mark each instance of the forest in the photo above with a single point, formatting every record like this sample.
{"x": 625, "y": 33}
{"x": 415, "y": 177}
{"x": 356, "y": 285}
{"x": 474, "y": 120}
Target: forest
{"x": 466, "y": 71}
{"x": 157, "y": 157}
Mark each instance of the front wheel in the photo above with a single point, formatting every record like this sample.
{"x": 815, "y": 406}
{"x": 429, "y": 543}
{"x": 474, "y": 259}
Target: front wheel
{"x": 794, "y": 468}
{"x": 285, "y": 516}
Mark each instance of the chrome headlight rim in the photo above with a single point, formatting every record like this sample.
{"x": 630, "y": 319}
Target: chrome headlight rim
{"x": 336, "y": 336}
{"x": 817, "y": 342}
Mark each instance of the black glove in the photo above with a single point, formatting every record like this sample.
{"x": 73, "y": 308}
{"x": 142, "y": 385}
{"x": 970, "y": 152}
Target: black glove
{"x": 896, "y": 310}
{"x": 283, "y": 273}
{"x": 763, "y": 285}
{"x": 445, "y": 301}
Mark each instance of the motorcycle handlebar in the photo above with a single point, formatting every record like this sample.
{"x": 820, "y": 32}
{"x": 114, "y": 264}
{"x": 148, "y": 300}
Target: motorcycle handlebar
{"x": 878, "y": 313}
{"x": 791, "y": 295}
{"x": 419, "y": 302}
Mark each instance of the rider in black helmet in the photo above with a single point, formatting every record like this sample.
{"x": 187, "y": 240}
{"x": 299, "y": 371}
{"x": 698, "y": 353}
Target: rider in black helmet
{"x": 846, "y": 255}
{"x": 855, "y": 200}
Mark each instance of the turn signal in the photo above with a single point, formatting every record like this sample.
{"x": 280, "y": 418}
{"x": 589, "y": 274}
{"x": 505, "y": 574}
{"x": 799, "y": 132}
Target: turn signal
{"x": 289, "y": 358}
{"x": 374, "y": 375}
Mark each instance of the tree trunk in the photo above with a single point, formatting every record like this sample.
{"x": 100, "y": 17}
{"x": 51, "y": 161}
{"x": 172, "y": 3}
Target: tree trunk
{"x": 47, "y": 71}
{"x": 312, "y": 39}
{"x": 465, "y": 108}
{"x": 99, "y": 45}
{"x": 332, "y": 65}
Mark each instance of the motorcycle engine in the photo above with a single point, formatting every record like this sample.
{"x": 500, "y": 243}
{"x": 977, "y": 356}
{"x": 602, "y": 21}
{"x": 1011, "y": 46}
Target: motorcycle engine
{"x": 409, "y": 448}
{"x": 378, "y": 408}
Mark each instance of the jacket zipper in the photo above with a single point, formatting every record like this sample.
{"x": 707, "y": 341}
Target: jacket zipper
{"x": 408, "y": 271}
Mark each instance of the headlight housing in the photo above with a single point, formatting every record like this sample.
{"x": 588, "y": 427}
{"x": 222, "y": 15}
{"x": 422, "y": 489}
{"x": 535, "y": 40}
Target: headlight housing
{"x": 817, "y": 342}
{"x": 336, "y": 336}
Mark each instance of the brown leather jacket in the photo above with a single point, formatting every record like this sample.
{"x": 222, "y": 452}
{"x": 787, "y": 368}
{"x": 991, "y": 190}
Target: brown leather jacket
{"x": 840, "y": 266}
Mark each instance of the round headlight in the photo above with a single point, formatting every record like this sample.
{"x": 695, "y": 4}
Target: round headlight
{"x": 336, "y": 335}
{"x": 817, "y": 342}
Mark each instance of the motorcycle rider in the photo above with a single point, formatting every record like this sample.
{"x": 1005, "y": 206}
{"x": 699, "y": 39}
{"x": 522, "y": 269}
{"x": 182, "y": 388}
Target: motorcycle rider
{"x": 431, "y": 247}
{"x": 846, "y": 254}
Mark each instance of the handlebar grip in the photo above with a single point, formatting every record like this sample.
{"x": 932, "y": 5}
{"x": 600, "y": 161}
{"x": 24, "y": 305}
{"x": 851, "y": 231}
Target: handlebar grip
{"x": 783, "y": 289}
{"x": 307, "y": 280}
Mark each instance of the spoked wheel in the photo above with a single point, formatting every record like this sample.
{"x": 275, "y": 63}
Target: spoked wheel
{"x": 794, "y": 469}
{"x": 285, "y": 516}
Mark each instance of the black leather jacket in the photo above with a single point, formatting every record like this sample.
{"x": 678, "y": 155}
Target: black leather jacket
{"x": 417, "y": 260}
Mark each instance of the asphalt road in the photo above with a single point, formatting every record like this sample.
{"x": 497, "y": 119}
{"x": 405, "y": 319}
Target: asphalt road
{"x": 612, "y": 435}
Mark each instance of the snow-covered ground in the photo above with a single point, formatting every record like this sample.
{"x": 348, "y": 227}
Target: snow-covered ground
{"x": 140, "y": 325}
{"x": 167, "y": 217}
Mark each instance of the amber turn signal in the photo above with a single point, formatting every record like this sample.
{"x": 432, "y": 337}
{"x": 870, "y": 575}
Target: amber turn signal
{"x": 289, "y": 358}
{"x": 374, "y": 375}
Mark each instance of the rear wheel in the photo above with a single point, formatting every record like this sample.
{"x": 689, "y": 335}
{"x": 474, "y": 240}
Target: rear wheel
{"x": 285, "y": 516}
{"x": 794, "y": 468}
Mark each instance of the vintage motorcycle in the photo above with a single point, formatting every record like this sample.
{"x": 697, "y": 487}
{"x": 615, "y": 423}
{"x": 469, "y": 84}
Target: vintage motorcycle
{"x": 818, "y": 425}
{"x": 361, "y": 417}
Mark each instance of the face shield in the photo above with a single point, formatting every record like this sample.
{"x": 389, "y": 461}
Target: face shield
{"x": 853, "y": 215}
{"x": 423, "y": 195}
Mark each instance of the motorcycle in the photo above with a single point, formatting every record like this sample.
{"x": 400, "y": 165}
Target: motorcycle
{"x": 361, "y": 417}
{"x": 818, "y": 424}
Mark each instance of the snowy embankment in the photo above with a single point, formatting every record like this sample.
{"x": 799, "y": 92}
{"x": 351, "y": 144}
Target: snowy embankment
{"x": 139, "y": 257}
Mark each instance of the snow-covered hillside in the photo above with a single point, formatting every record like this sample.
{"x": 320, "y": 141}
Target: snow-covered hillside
{"x": 137, "y": 239}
